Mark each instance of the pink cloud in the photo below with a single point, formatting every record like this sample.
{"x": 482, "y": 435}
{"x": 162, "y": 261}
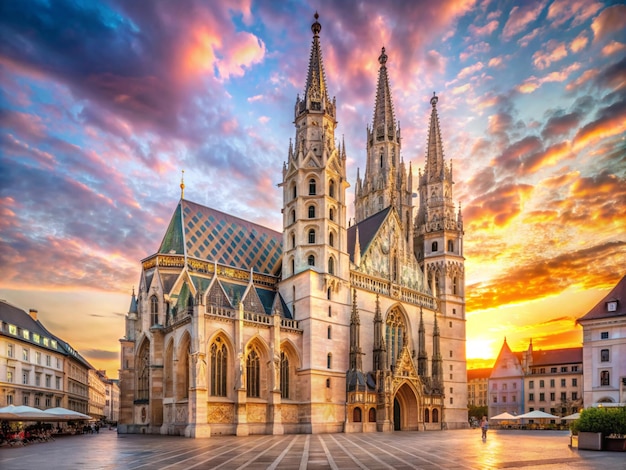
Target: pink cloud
{"x": 579, "y": 42}
{"x": 584, "y": 78}
{"x": 243, "y": 51}
{"x": 485, "y": 30}
{"x": 521, "y": 17}
{"x": 526, "y": 39}
{"x": 467, "y": 71}
{"x": 562, "y": 11}
{"x": 613, "y": 47}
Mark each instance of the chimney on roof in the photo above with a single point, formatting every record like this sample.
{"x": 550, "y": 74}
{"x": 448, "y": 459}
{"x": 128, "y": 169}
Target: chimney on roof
{"x": 33, "y": 314}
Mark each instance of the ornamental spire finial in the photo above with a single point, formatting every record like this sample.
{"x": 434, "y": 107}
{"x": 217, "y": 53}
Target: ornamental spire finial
{"x": 182, "y": 184}
{"x": 434, "y": 99}
{"x": 316, "y": 27}
{"x": 382, "y": 58}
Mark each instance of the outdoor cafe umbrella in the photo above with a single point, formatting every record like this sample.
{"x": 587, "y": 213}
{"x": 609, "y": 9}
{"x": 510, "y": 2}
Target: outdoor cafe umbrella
{"x": 23, "y": 413}
{"x": 537, "y": 414}
{"x": 504, "y": 416}
{"x": 63, "y": 414}
{"x": 571, "y": 417}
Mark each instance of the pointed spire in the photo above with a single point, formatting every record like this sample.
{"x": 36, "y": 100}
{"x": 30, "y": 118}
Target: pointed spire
{"x": 437, "y": 365}
{"x": 434, "y": 155}
{"x": 357, "y": 249}
{"x": 133, "y": 303}
{"x": 315, "y": 93}
{"x": 384, "y": 123}
{"x": 355, "y": 346}
{"x": 422, "y": 356}
{"x": 182, "y": 185}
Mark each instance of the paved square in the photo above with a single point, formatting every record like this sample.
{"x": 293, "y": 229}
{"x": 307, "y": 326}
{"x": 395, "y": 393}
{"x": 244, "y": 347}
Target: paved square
{"x": 462, "y": 449}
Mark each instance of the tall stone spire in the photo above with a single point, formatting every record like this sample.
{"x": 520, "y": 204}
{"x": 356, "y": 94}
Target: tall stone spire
{"x": 316, "y": 96}
{"x": 422, "y": 356}
{"x": 434, "y": 156}
{"x": 385, "y": 182}
{"x": 437, "y": 365}
{"x": 380, "y": 353}
{"x": 355, "y": 343}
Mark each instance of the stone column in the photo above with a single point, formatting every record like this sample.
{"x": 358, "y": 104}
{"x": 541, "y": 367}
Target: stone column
{"x": 241, "y": 400}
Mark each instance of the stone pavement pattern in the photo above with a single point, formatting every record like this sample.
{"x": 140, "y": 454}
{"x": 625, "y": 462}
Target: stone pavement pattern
{"x": 462, "y": 449}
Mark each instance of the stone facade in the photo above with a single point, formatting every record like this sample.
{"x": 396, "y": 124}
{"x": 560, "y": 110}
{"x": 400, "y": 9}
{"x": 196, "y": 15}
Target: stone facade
{"x": 326, "y": 326}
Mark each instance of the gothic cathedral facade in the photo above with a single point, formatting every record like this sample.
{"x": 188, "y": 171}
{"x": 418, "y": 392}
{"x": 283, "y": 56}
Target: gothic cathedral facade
{"x": 327, "y": 326}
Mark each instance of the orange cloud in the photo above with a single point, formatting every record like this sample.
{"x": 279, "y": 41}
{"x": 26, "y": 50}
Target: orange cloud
{"x": 584, "y": 78}
{"x": 561, "y": 11}
{"x": 579, "y": 42}
{"x": 609, "y": 21}
{"x": 612, "y": 122}
{"x": 613, "y": 47}
{"x": 554, "y": 51}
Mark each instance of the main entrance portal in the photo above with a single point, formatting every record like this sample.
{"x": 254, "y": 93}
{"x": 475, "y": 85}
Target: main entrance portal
{"x": 405, "y": 409}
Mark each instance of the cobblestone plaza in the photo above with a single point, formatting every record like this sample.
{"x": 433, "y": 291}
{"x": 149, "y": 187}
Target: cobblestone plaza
{"x": 459, "y": 449}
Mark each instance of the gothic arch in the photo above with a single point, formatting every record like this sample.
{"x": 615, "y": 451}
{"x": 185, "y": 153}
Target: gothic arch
{"x": 220, "y": 364}
{"x": 142, "y": 367}
{"x": 169, "y": 369}
{"x": 257, "y": 359}
{"x": 181, "y": 374}
{"x": 289, "y": 364}
{"x": 397, "y": 330}
{"x": 406, "y": 409}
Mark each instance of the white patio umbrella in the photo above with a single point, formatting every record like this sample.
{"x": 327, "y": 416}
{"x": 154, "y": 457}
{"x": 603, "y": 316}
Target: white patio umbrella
{"x": 63, "y": 414}
{"x": 23, "y": 413}
{"x": 505, "y": 415}
{"x": 571, "y": 417}
{"x": 537, "y": 415}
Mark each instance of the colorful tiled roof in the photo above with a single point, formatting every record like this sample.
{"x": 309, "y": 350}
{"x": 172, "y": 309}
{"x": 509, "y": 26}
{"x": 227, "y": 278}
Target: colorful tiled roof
{"x": 601, "y": 310}
{"x": 211, "y": 235}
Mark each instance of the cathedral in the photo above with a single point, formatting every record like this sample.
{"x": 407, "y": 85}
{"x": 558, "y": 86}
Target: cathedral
{"x": 327, "y": 326}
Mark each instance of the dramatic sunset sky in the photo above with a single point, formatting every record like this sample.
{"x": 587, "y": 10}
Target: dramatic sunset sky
{"x": 104, "y": 103}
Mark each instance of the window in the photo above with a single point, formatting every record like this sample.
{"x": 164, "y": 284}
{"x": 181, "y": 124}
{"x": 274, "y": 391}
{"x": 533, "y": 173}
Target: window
{"x": 37, "y": 402}
{"x": 574, "y": 382}
{"x": 37, "y": 379}
{"x": 48, "y": 402}
{"x": 542, "y": 397}
{"x": 356, "y": 415}
{"x": 58, "y": 363}
{"x": 504, "y": 399}
{"x": 450, "y": 245}
{"x": 10, "y": 374}
{"x": 329, "y": 361}
{"x": 311, "y": 236}
{"x": 552, "y": 396}
{"x": 25, "y": 377}
{"x": 574, "y": 395}
{"x": 605, "y": 378}
{"x": 58, "y": 383}
{"x": 563, "y": 396}
{"x": 542, "y": 370}
{"x": 219, "y": 368}
{"x": 495, "y": 399}
{"x": 331, "y": 239}
{"x": 311, "y": 212}
{"x": 436, "y": 415}
{"x": 48, "y": 360}
{"x": 574, "y": 368}
{"x": 57, "y": 402}
{"x": 514, "y": 398}
{"x": 604, "y": 355}
{"x": 541, "y": 384}
{"x": 312, "y": 188}
{"x": 563, "y": 369}
{"x": 331, "y": 188}
{"x": 48, "y": 381}
{"x": 372, "y": 415}
{"x": 253, "y": 370}
{"x": 25, "y": 354}
{"x": 395, "y": 328}
{"x": 38, "y": 357}
{"x": 551, "y": 383}
{"x": 25, "y": 399}
{"x": 604, "y": 335}
{"x": 504, "y": 386}
{"x": 294, "y": 191}
{"x": 331, "y": 214}
{"x": 330, "y": 312}
{"x": 329, "y": 333}
{"x": 327, "y": 383}
{"x": 553, "y": 370}
{"x": 531, "y": 384}
{"x": 143, "y": 375}
{"x": 9, "y": 399}
{"x": 292, "y": 237}
{"x": 284, "y": 375}
{"x": 563, "y": 383}
{"x": 10, "y": 350}
{"x": 434, "y": 247}
{"x": 611, "y": 306}
{"x": 531, "y": 397}
{"x": 292, "y": 216}
{"x": 426, "y": 415}
{"x": 154, "y": 310}
{"x": 454, "y": 285}
{"x": 311, "y": 260}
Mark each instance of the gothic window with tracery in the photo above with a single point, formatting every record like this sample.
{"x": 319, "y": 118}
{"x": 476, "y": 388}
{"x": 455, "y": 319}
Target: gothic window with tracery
{"x": 331, "y": 265}
{"x": 331, "y": 188}
{"x": 293, "y": 216}
{"x": 284, "y": 375}
{"x": 331, "y": 214}
{"x": 143, "y": 376}
{"x": 331, "y": 239}
{"x": 312, "y": 187}
{"x": 219, "y": 368}
{"x": 253, "y": 371}
{"x": 395, "y": 335}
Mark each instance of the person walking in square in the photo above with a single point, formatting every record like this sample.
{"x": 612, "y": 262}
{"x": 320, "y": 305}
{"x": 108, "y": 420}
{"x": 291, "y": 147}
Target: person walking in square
{"x": 484, "y": 425}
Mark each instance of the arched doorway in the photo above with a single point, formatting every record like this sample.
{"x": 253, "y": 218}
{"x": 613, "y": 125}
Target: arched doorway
{"x": 405, "y": 410}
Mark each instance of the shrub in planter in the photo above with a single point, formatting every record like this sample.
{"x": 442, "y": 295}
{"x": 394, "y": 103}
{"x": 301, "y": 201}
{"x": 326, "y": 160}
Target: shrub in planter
{"x": 605, "y": 420}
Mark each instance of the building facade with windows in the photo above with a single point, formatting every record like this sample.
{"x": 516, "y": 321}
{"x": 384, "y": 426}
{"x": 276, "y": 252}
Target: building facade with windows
{"x": 327, "y": 326}
{"x": 478, "y": 386}
{"x": 604, "y": 348}
{"x": 544, "y": 380}
{"x": 32, "y": 361}
{"x": 112, "y": 400}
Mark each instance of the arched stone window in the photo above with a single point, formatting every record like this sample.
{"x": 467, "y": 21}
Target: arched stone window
{"x": 331, "y": 239}
{"x": 372, "y": 415}
{"x": 396, "y": 328}
{"x": 426, "y": 415}
{"x": 312, "y": 187}
{"x": 450, "y": 246}
{"x": 331, "y": 214}
{"x": 435, "y": 415}
{"x": 311, "y": 260}
{"x": 293, "y": 240}
{"x": 329, "y": 333}
{"x": 331, "y": 188}
{"x": 434, "y": 247}
{"x": 294, "y": 191}
{"x": 293, "y": 266}
{"x": 143, "y": 372}
{"x": 253, "y": 371}
{"x": 311, "y": 212}
{"x": 154, "y": 310}
{"x": 454, "y": 285}
{"x": 331, "y": 265}
{"x": 329, "y": 361}
{"x": 169, "y": 370}
{"x": 356, "y": 415}
{"x": 292, "y": 216}
{"x": 311, "y": 236}
{"x": 284, "y": 375}
{"x": 219, "y": 368}
{"x": 182, "y": 369}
